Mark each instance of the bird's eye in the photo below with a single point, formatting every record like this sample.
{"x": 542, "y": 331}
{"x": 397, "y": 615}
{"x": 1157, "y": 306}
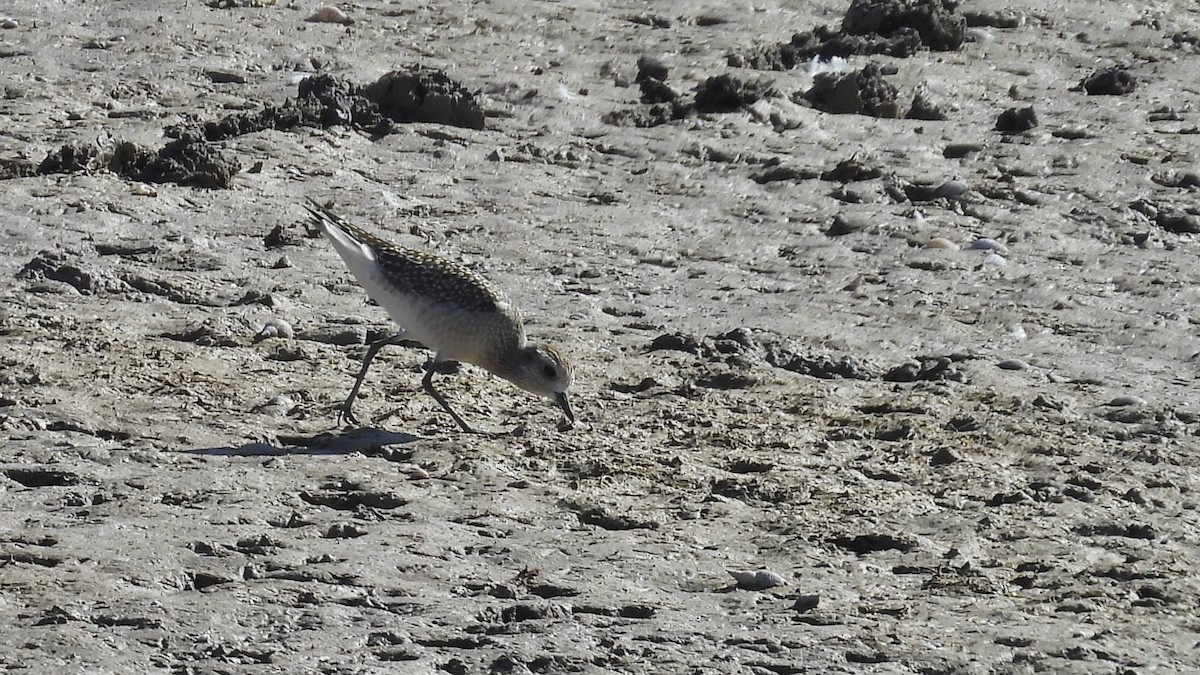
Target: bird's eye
{"x": 550, "y": 372}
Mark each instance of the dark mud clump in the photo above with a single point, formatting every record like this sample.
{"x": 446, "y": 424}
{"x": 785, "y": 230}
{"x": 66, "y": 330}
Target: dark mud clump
{"x": 741, "y": 345}
{"x": 727, "y": 93}
{"x": 424, "y": 95}
{"x": 662, "y": 103}
{"x": 862, "y": 92}
{"x": 924, "y": 109}
{"x": 1114, "y": 81}
{"x": 415, "y": 94}
{"x": 1016, "y": 120}
{"x": 898, "y": 28}
{"x": 186, "y": 161}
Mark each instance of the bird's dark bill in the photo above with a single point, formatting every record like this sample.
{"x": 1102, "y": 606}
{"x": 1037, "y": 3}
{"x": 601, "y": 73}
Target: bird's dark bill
{"x": 565, "y": 404}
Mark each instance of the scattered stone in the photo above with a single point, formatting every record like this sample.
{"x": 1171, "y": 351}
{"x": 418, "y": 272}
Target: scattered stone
{"x": 863, "y": 92}
{"x": 950, "y": 189}
{"x": 985, "y": 244}
{"x": 944, "y": 456}
{"x": 275, "y": 328}
{"x": 863, "y": 544}
{"x": 224, "y": 76}
{"x": 1012, "y": 364}
{"x": 1177, "y": 179}
{"x": 924, "y": 109}
{"x": 650, "y": 68}
{"x": 851, "y": 170}
{"x": 843, "y": 224}
{"x": 999, "y": 18}
{"x": 675, "y": 342}
{"x": 942, "y": 243}
{"x": 330, "y": 14}
{"x": 783, "y": 172}
{"x": 1112, "y": 81}
{"x": 960, "y": 150}
{"x": 928, "y": 368}
{"x": 940, "y": 28}
{"x": 420, "y": 94}
{"x": 728, "y": 93}
{"x": 1126, "y": 400}
{"x": 758, "y": 580}
{"x": 603, "y": 519}
{"x": 344, "y": 531}
{"x": 806, "y": 603}
{"x": 915, "y": 192}
{"x": 1014, "y": 120}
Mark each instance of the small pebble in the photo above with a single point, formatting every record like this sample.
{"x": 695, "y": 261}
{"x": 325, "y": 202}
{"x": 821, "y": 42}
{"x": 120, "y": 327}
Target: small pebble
{"x": 846, "y": 224}
{"x": 281, "y": 403}
{"x": 1127, "y": 400}
{"x": 978, "y": 35}
{"x": 941, "y": 242}
{"x": 330, "y": 14}
{"x": 993, "y": 259}
{"x": 1012, "y": 364}
{"x": 758, "y": 580}
{"x": 143, "y": 190}
{"x": 805, "y": 603}
{"x": 985, "y": 244}
{"x": 275, "y": 328}
{"x": 8, "y": 23}
{"x": 1017, "y": 331}
{"x": 951, "y": 188}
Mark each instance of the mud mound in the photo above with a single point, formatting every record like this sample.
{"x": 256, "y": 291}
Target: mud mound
{"x": 899, "y": 28}
{"x": 414, "y": 94}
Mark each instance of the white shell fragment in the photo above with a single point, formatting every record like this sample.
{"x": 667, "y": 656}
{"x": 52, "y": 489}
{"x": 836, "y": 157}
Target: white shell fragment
{"x": 758, "y": 580}
{"x": 941, "y": 242}
{"x": 985, "y": 244}
{"x": 951, "y": 189}
{"x": 275, "y": 328}
{"x": 330, "y": 14}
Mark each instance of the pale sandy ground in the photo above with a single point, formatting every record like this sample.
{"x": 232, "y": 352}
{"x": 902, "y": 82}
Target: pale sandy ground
{"x": 190, "y": 505}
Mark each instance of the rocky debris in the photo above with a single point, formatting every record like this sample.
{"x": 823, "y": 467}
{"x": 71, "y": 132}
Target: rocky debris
{"x": 413, "y": 94}
{"x": 724, "y": 93}
{"x": 898, "y": 28}
{"x": 1016, "y": 120}
{"x": 1112, "y": 81}
{"x": 862, "y": 92}
{"x": 740, "y": 345}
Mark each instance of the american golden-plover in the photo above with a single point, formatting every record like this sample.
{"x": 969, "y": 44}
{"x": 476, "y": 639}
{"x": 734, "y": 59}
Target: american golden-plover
{"x": 449, "y": 309}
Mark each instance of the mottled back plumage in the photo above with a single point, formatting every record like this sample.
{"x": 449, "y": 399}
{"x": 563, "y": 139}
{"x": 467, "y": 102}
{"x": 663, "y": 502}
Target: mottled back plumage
{"x": 422, "y": 274}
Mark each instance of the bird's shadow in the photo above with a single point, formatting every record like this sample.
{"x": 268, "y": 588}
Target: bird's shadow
{"x": 365, "y": 440}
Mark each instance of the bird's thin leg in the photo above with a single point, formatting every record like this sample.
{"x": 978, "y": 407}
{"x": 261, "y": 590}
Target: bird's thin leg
{"x": 427, "y": 382}
{"x": 346, "y": 413}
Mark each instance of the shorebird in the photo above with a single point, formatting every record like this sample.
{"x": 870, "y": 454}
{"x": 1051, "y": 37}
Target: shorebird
{"x": 449, "y": 309}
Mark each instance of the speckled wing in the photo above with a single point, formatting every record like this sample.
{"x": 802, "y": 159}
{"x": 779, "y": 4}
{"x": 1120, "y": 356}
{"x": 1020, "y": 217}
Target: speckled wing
{"x": 413, "y": 272}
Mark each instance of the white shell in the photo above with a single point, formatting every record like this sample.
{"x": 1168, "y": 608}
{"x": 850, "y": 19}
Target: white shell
{"x": 275, "y": 328}
{"x": 330, "y": 14}
{"x": 758, "y": 580}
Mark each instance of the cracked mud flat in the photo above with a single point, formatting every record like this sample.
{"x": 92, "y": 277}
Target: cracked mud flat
{"x": 789, "y": 357}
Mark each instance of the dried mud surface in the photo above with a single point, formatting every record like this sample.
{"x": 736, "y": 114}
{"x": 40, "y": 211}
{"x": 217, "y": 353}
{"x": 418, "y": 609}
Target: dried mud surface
{"x": 933, "y": 369}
